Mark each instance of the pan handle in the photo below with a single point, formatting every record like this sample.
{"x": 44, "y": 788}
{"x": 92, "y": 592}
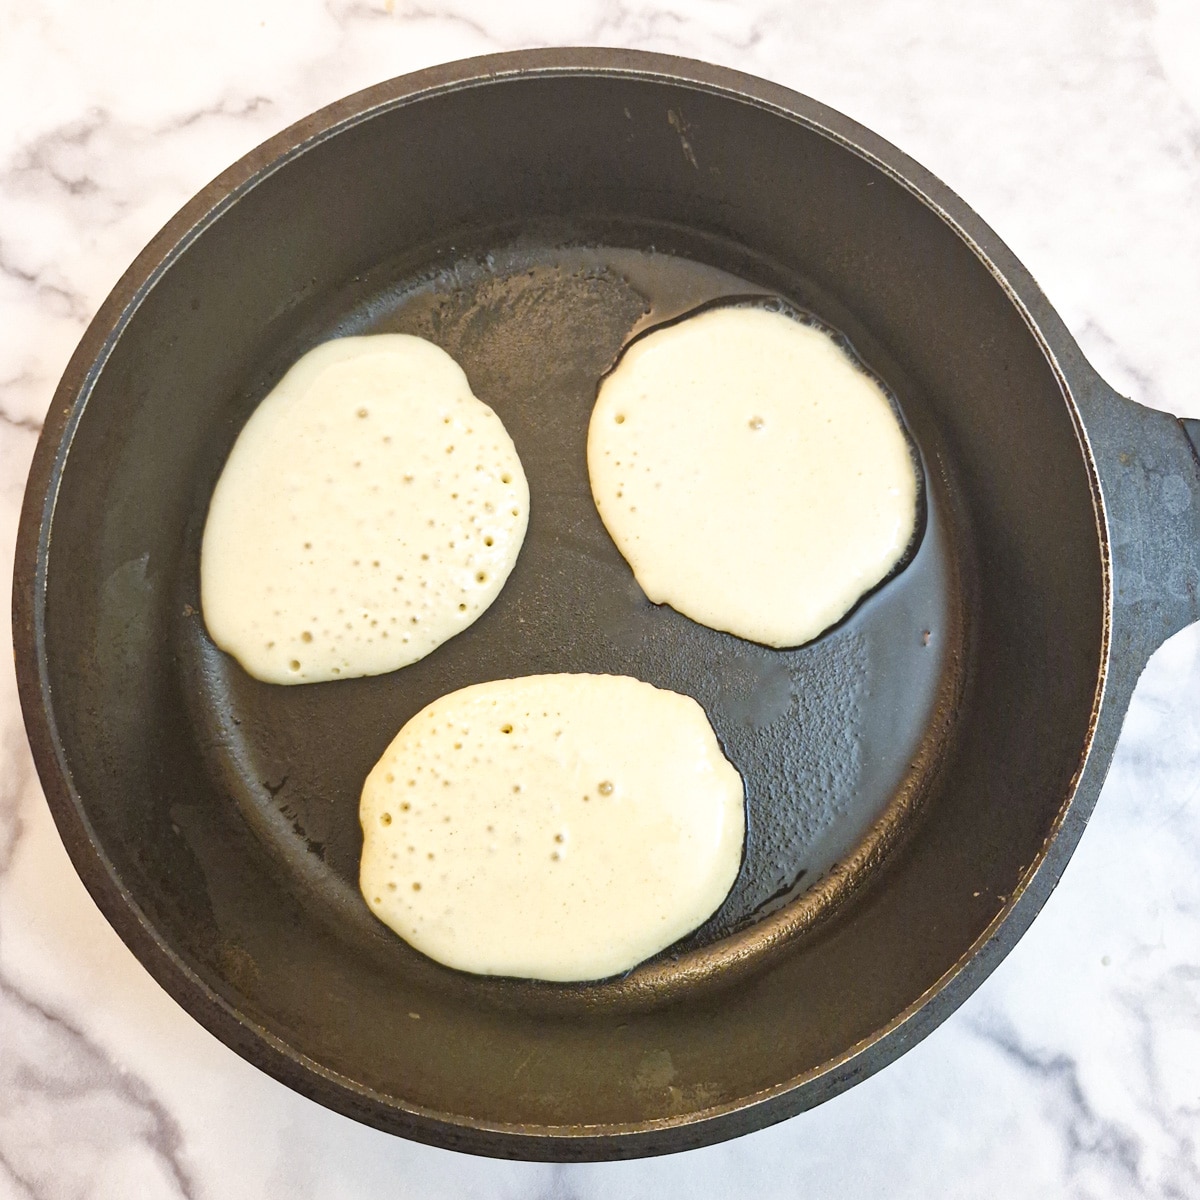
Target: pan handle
{"x": 1149, "y": 466}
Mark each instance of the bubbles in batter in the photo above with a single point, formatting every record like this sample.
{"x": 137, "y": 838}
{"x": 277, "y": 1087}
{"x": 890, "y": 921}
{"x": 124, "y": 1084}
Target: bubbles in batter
{"x": 371, "y": 509}
{"x": 559, "y": 827}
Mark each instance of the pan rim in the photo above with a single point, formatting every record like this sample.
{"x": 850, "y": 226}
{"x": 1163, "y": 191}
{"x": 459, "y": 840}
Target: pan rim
{"x": 185, "y": 984}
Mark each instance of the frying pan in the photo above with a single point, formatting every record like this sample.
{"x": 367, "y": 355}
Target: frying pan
{"x": 916, "y": 778}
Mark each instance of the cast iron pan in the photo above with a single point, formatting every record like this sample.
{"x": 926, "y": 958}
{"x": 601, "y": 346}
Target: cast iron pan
{"x": 916, "y": 778}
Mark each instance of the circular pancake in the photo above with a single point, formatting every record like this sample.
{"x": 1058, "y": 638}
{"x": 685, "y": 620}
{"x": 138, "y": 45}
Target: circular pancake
{"x": 753, "y": 475}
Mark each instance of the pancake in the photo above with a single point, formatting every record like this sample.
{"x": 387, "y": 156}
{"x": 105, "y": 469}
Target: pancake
{"x": 371, "y": 509}
{"x": 752, "y": 474}
{"x": 557, "y": 827}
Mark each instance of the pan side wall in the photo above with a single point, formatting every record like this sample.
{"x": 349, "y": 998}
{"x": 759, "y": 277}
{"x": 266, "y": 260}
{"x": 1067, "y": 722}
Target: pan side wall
{"x": 215, "y": 330}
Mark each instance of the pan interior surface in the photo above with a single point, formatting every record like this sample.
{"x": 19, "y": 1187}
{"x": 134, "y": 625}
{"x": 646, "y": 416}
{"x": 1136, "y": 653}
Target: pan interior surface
{"x": 902, "y": 771}
{"x": 831, "y": 739}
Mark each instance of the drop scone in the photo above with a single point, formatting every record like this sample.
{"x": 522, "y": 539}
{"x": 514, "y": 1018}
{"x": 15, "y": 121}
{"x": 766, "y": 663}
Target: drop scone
{"x": 558, "y": 827}
{"x": 371, "y": 509}
{"x": 754, "y": 477}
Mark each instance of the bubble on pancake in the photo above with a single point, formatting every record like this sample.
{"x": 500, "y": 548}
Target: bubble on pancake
{"x": 754, "y": 476}
{"x": 557, "y": 827}
{"x": 371, "y": 509}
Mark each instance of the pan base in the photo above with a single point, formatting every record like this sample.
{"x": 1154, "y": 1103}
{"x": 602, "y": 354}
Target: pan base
{"x": 836, "y": 741}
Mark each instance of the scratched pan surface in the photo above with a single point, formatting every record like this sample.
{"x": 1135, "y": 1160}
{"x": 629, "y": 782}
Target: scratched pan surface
{"x": 904, "y": 773}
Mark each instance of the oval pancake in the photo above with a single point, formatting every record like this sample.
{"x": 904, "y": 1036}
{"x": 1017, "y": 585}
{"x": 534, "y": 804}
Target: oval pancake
{"x": 557, "y": 827}
{"x": 371, "y": 509}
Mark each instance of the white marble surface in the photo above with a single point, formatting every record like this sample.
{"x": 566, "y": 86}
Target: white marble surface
{"x": 1073, "y": 126}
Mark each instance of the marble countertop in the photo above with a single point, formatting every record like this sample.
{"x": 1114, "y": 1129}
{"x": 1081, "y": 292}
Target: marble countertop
{"x": 1073, "y": 127}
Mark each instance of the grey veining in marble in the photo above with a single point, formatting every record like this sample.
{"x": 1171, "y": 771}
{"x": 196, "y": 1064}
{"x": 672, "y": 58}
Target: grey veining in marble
{"x": 1073, "y": 126}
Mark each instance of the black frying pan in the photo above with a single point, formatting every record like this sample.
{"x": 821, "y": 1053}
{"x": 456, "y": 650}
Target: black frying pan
{"x": 916, "y": 778}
